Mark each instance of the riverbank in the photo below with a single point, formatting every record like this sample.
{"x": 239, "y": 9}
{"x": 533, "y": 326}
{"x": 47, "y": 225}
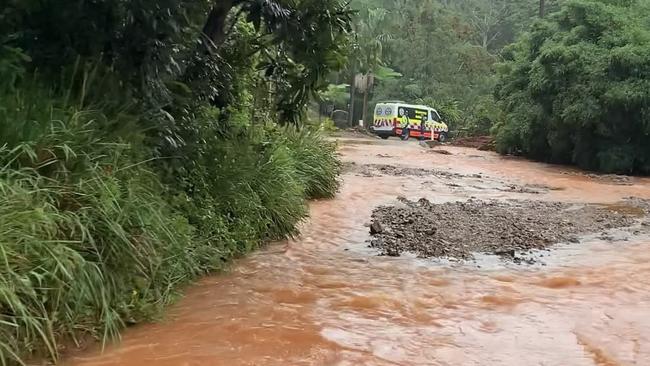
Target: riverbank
{"x": 98, "y": 234}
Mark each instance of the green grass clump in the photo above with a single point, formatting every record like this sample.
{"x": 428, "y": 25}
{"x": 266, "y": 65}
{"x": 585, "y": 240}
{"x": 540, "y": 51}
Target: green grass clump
{"x": 87, "y": 242}
{"x": 316, "y": 161}
{"x": 91, "y": 240}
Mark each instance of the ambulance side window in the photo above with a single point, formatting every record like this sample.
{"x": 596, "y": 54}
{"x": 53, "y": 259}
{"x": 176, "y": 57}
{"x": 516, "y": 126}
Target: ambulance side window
{"x": 434, "y": 116}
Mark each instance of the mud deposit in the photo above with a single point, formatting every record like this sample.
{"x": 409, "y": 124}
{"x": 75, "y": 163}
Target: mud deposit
{"x": 378, "y": 170}
{"x": 505, "y": 228}
{"x": 454, "y": 180}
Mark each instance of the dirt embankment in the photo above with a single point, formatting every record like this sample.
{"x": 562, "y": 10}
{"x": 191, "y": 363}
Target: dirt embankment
{"x": 485, "y": 143}
{"x": 459, "y": 229}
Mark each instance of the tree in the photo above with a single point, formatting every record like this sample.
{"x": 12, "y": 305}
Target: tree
{"x": 371, "y": 37}
{"x": 575, "y": 90}
{"x": 486, "y": 18}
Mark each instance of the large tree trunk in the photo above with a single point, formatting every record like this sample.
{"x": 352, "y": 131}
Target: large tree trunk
{"x": 542, "y": 8}
{"x": 215, "y": 27}
{"x": 352, "y": 98}
{"x": 364, "y": 115}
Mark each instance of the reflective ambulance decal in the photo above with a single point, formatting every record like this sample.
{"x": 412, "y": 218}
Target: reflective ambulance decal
{"x": 383, "y": 123}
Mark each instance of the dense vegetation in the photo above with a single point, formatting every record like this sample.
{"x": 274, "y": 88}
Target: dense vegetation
{"x": 441, "y": 53}
{"x": 576, "y": 88}
{"x": 566, "y": 83}
{"x": 144, "y": 143}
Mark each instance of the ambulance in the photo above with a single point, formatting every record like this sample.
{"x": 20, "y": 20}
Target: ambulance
{"x": 391, "y": 118}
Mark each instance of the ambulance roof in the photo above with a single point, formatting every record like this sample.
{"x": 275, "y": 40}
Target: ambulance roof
{"x": 419, "y": 106}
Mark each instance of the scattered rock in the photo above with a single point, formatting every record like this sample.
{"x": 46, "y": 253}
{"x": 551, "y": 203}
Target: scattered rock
{"x": 614, "y": 179}
{"x": 441, "y": 152}
{"x": 483, "y": 143}
{"x": 392, "y": 252}
{"x": 506, "y": 253}
{"x": 376, "y": 228}
{"x": 526, "y": 189}
{"x": 431, "y": 231}
{"x": 378, "y": 170}
{"x": 459, "y": 229}
{"x": 621, "y": 180}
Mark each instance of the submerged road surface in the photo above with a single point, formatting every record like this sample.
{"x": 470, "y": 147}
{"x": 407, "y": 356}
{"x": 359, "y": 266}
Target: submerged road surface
{"x": 325, "y": 298}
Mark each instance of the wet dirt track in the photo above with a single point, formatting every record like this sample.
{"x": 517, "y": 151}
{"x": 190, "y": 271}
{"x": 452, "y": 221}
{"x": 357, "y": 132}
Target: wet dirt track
{"x": 327, "y": 299}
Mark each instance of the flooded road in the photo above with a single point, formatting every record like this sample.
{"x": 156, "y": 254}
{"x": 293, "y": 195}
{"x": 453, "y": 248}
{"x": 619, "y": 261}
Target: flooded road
{"x": 327, "y": 299}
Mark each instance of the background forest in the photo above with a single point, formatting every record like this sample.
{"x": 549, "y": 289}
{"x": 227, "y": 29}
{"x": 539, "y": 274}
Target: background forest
{"x": 558, "y": 81}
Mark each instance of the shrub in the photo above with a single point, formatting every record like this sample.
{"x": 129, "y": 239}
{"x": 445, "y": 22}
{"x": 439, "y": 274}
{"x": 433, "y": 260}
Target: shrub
{"x": 575, "y": 89}
{"x": 316, "y": 161}
{"x": 87, "y": 241}
{"x": 243, "y": 187}
{"x": 91, "y": 239}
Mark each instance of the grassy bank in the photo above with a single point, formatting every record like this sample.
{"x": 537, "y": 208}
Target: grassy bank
{"x": 95, "y": 235}
{"x": 145, "y": 143}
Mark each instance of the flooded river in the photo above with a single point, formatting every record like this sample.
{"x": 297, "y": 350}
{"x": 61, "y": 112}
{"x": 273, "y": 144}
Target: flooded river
{"x": 327, "y": 299}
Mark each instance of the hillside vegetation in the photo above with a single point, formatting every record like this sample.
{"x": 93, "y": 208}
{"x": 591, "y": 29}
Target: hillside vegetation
{"x": 144, "y": 143}
{"x": 576, "y": 88}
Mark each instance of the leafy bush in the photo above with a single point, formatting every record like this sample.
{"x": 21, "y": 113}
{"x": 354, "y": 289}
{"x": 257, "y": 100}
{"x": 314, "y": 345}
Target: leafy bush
{"x": 87, "y": 241}
{"x": 256, "y": 180}
{"x": 575, "y": 90}
{"x": 316, "y": 161}
{"x": 134, "y": 154}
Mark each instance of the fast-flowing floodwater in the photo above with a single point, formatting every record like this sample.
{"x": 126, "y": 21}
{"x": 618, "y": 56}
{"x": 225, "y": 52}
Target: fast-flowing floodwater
{"x": 326, "y": 299}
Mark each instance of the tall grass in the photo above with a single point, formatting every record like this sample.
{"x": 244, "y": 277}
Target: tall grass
{"x": 316, "y": 161}
{"x": 90, "y": 240}
{"x": 242, "y": 187}
{"x": 87, "y": 242}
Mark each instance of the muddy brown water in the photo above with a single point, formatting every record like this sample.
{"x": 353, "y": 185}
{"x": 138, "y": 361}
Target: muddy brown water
{"x": 327, "y": 299}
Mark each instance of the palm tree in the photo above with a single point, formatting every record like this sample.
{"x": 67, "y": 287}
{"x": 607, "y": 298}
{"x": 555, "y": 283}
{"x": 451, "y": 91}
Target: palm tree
{"x": 367, "y": 55}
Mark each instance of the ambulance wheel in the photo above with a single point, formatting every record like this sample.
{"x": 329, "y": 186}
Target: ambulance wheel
{"x": 442, "y": 137}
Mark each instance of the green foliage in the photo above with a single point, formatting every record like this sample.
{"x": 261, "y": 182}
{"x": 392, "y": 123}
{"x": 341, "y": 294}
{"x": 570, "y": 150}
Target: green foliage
{"x": 238, "y": 189}
{"x": 298, "y": 69}
{"x": 575, "y": 90}
{"x": 327, "y": 125}
{"x": 482, "y": 115}
{"x": 444, "y": 51}
{"x": 335, "y": 94}
{"x": 87, "y": 242}
{"x": 316, "y": 161}
{"x": 134, "y": 158}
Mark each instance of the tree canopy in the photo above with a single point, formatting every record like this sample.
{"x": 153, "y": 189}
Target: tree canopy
{"x": 445, "y": 51}
{"x": 576, "y": 88}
